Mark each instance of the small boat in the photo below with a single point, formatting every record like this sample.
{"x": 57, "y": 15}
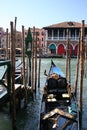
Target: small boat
{"x": 58, "y": 106}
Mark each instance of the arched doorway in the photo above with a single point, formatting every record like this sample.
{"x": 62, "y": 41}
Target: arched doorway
{"x": 61, "y": 50}
{"x": 52, "y": 49}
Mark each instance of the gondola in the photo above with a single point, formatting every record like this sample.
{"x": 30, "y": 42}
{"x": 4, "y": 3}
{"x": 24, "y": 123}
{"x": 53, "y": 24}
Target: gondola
{"x": 58, "y": 106}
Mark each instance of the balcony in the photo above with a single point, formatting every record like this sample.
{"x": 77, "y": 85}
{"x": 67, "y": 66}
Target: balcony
{"x": 62, "y": 38}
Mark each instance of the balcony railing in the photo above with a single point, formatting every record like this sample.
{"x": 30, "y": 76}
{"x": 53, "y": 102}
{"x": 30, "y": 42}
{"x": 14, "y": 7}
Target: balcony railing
{"x": 62, "y": 38}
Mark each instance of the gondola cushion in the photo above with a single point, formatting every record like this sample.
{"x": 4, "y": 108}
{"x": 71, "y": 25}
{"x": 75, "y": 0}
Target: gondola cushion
{"x": 53, "y": 84}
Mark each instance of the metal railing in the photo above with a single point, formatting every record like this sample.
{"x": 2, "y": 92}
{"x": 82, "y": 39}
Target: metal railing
{"x": 63, "y": 38}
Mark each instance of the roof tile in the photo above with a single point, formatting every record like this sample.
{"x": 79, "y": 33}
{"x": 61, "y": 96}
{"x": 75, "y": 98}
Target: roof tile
{"x": 68, "y": 24}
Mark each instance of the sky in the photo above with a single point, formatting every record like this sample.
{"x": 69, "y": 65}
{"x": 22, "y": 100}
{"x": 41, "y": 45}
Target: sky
{"x": 41, "y": 13}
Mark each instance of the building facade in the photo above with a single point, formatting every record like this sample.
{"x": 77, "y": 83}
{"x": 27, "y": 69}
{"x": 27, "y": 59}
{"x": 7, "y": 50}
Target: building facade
{"x": 56, "y": 38}
{"x": 2, "y": 41}
{"x": 51, "y": 39}
{"x": 5, "y": 41}
{"x": 40, "y": 37}
{"x": 18, "y": 41}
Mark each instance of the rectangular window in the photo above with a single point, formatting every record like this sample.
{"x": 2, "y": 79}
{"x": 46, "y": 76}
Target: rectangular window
{"x": 55, "y": 33}
{"x": 72, "y": 32}
{"x": 49, "y": 33}
{"x": 60, "y": 32}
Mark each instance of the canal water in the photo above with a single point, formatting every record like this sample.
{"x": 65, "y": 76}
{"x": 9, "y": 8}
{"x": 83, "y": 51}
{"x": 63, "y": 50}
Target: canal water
{"x": 28, "y": 119}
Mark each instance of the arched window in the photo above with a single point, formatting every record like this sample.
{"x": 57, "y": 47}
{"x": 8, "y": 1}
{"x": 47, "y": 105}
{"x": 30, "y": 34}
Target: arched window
{"x": 52, "y": 48}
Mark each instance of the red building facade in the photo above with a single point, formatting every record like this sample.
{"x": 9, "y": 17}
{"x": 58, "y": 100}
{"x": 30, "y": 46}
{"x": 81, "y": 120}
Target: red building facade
{"x": 56, "y": 38}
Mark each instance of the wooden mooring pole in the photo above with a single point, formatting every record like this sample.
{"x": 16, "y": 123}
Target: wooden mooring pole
{"x": 80, "y": 103}
{"x": 77, "y": 69}
{"x": 7, "y": 43}
{"x": 13, "y": 104}
{"x": 36, "y": 63}
{"x": 85, "y": 66}
{"x": 23, "y": 67}
{"x": 39, "y": 64}
{"x": 68, "y": 74}
{"x": 33, "y": 88}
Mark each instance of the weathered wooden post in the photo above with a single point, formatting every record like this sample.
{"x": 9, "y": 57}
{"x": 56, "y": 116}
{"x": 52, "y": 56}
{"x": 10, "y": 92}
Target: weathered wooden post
{"x": 69, "y": 63}
{"x": 33, "y": 59}
{"x": 23, "y": 67}
{"x": 6, "y": 49}
{"x": 36, "y": 62}
{"x": 85, "y": 66}
{"x": 77, "y": 68}
{"x": 80, "y": 104}
{"x": 13, "y": 106}
{"x": 39, "y": 64}
{"x": 9, "y": 46}
{"x": 7, "y": 43}
{"x": 68, "y": 75}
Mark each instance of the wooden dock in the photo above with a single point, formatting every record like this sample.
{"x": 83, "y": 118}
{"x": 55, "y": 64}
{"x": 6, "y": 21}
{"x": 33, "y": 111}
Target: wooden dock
{"x": 5, "y": 84}
{"x": 6, "y": 97}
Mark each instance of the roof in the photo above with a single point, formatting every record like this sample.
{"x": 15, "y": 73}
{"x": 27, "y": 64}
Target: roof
{"x": 68, "y": 24}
